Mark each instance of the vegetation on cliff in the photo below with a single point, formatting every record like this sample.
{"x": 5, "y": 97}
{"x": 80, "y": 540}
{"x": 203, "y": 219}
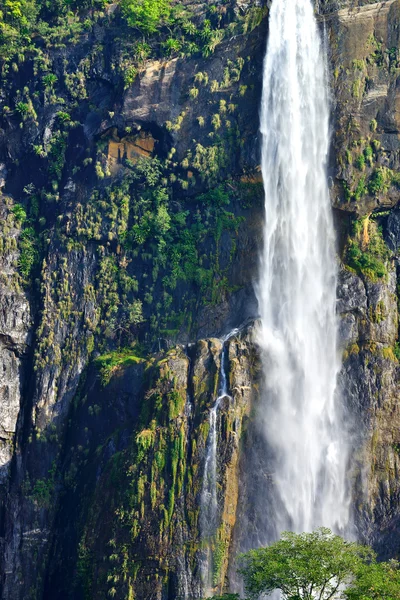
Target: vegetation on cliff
{"x": 146, "y": 15}
{"x": 367, "y": 252}
{"x": 110, "y": 257}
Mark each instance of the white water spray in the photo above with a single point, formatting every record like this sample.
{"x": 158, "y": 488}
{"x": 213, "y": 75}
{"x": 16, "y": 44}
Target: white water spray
{"x": 297, "y": 290}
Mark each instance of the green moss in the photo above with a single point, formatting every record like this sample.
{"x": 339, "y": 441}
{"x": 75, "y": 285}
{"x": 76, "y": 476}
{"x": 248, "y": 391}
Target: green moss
{"x": 29, "y": 252}
{"x": 389, "y": 353}
{"x": 380, "y": 181}
{"x": 366, "y": 251}
{"x": 218, "y": 557}
{"x": 358, "y": 88}
{"x": 369, "y": 155}
{"x": 360, "y": 162}
{"x": 176, "y": 403}
{"x": 378, "y": 314}
{"x": 111, "y": 362}
{"x": 145, "y": 439}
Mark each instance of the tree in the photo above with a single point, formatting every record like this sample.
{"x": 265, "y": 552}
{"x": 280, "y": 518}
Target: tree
{"x": 226, "y": 597}
{"x": 318, "y": 566}
{"x": 376, "y": 582}
{"x": 309, "y": 566}
{"x": 146, "y": 15}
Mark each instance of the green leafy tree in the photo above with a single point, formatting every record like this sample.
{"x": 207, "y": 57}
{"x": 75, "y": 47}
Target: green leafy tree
{"x": 309, "y": 566}
{"x": 20, "y": 13}
{"x": 146, "y": 15}
{"x": 376, "y": 582}
{"x": 226, "y": 597}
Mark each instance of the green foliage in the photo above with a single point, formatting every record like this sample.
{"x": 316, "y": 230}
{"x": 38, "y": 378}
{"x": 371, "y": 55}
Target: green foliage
{"x": 361, "y": 189}
{"x": 376, "y": 582}
{"x": 22, "y": 21}
{"x": 216, "y": 197}
{"x": 148, "y": 475}
{"x": 146, "y": 15}
{"x": 83, "y": 567}
{"x": 142, "y": 227}
{"x": 367, "y": 252}
{"x": 29, "y": 252}
{"x": 225, "y": 597}
{"x": 111, "y": 362}
{"x": 130, "y": 75}
{"x": 364, "y": 262}
{"x": 219, "y": 554}
{"x": 56, "y": 154}
{"x": 142, "y": 51}
{"x": 253, "y": 18}
{"x": 369, "y": 155}
{"x": 42, "y": 492}
{"x": 171, "y": 46}
{"x": 360, "y": 162}
{"x": 216, "y": 122}
{"x": 309, "y": 565}
{"x": 176, "y": 403}
{"x": 22, "y": 108}
{"x": 50, "y": 80}
{"x": 19, "y": 213}
{"x": 380, "y": 181}
{"x": 63, "y": 117}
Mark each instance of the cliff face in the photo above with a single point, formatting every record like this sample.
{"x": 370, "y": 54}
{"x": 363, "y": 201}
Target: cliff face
{"x": 129, "y": 516}
{"x": 131, "y": 224}
{"x": 364, "y": 45}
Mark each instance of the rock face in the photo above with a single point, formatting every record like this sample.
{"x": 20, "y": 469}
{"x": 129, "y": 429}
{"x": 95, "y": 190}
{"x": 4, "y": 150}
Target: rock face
{"x": 120, "y": 278}
{"x": 116, "y": 251}
{"x": 15, "y": 324}
{"x": 370, "y": 386}
{"x": 135, "y": 527}
{"x": 364, "y": 53}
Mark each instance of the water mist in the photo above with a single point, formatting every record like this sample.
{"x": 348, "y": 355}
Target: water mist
{"x": 297, "y": 288}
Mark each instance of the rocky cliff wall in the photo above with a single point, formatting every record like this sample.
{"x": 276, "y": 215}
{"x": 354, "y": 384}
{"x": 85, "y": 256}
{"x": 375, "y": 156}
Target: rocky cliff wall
{"x": 114, "y": 252}
{"x": 119, "y": 276}
{"x": 364, "y": 47}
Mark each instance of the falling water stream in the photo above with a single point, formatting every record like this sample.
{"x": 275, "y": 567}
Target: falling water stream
{"x": 209, "y": 514}
{"x": 297, "y": 287}
{"x": 305, "y": 448}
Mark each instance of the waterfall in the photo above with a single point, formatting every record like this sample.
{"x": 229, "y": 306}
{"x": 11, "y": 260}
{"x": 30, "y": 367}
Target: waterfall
{"x": 297, "y": 288}
{"x": 209, "y": 513}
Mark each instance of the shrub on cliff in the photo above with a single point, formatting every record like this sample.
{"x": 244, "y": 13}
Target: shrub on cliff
{"x": 146, "y": 15}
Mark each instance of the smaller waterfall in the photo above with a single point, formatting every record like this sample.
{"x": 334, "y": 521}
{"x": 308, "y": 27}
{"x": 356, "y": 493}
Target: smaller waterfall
{"x": 209, "y": 517}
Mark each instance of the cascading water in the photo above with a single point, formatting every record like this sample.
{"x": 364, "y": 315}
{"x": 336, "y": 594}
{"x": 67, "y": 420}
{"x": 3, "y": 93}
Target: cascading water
{"x": 297, "y": 289}
{"x": 209, "y": 517}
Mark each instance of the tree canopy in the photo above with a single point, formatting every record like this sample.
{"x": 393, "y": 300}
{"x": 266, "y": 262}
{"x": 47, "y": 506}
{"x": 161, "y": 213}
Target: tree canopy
{"x": 318, "y": 566}
{"x": 380, "y": 581}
